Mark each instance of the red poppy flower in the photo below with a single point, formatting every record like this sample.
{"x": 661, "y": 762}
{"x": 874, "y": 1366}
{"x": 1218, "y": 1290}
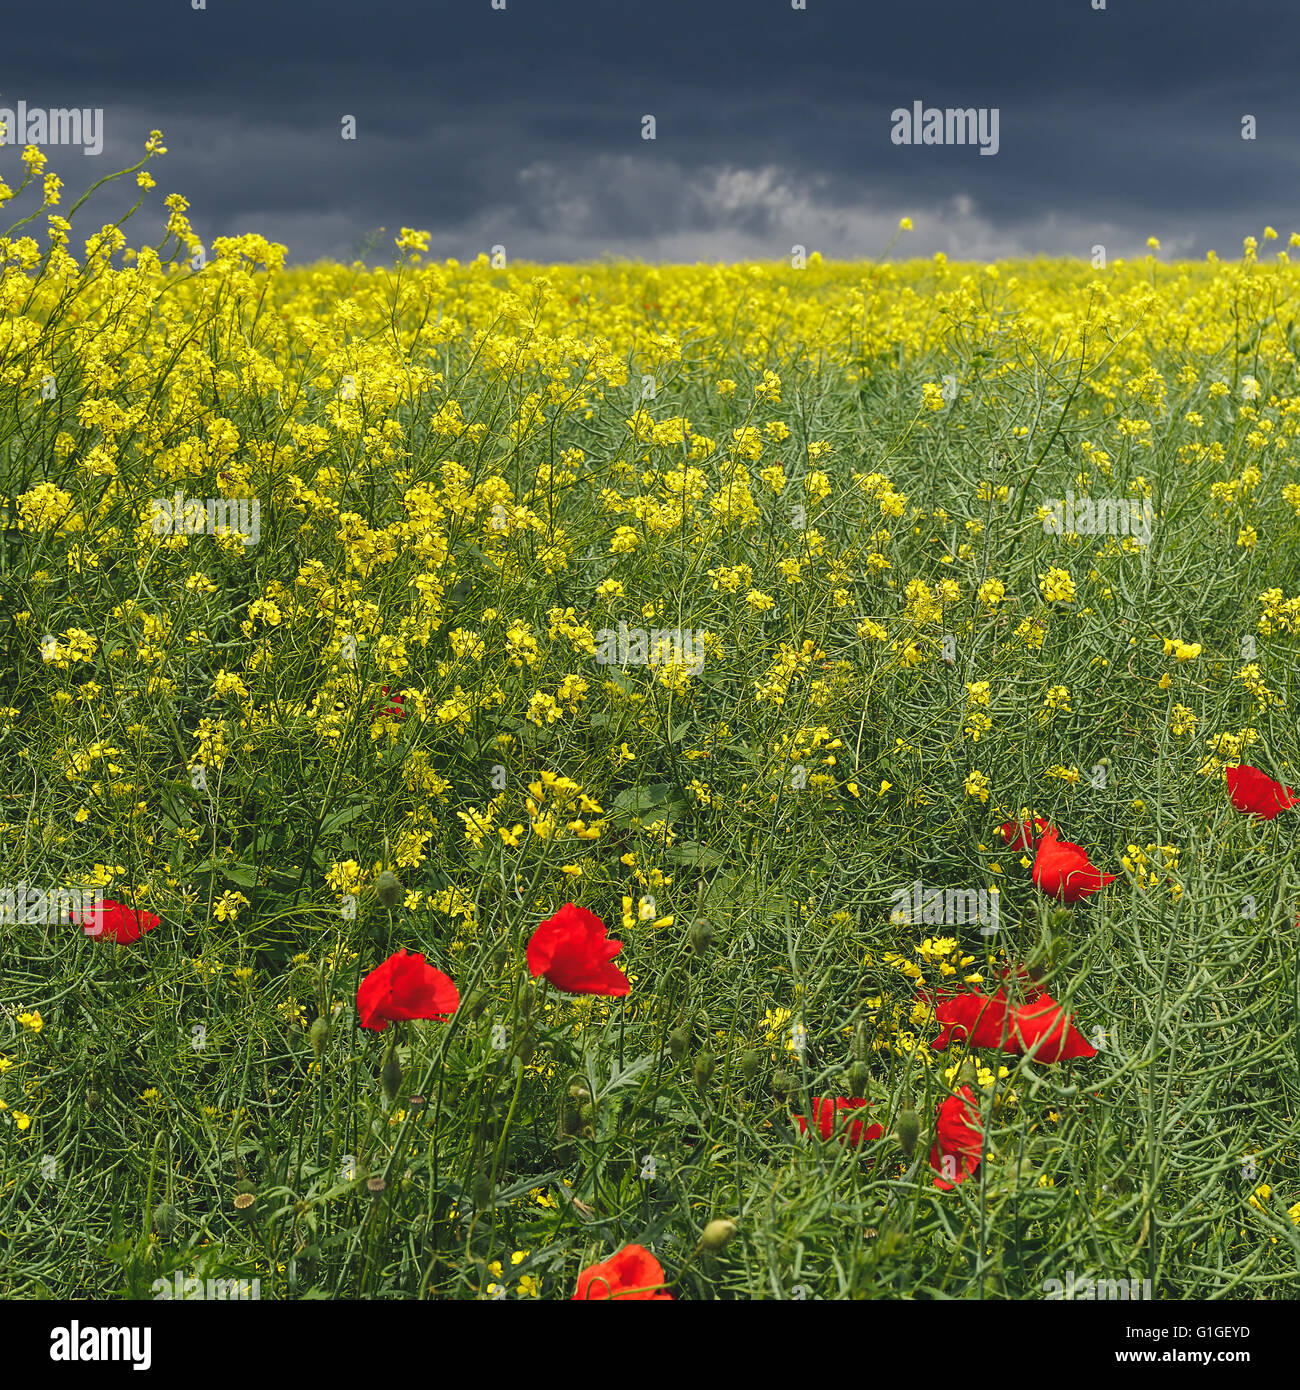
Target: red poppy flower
{"x": 404, "y": 986}
{"x": 1254, "y": 793}
{"x": 959, "y": 1140}
{"x": 113, "y": 922}
{"x": 1063, "y": 870}
{"x": 1029, "y": 987}
{"x": 393, "y": 708}
{"x": 1041, "y": 1026}
{"x": 572, "y": 951}
{"x": 631, "y": 1273}
{"x": 1023, "y": 835}
{"x": 825, "y": 1113}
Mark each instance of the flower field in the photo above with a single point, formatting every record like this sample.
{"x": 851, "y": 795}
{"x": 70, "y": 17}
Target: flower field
{"x": 695, "y": 782}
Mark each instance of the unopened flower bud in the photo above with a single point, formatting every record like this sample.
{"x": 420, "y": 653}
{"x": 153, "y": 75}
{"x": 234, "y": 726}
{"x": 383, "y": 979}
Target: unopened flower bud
{"x": 703, "y": 1069}
{"x": 319, "y": 1035}
{"x": 391, "y": 1076}
{"x": 164, "y": 1218}
{"x": 750, "y": 1063}
{"x": 908, "y": 1130}
{"x": 678, "y": 1041}
{"x": 388, "y": 890}
{"x": 701, "y": 937}
{"x": 481, "y": 1190}
{"x": 859, "y": 1077}
{"x": 718, "y": 1234}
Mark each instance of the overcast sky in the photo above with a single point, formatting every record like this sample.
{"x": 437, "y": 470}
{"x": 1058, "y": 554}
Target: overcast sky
{"x": 523, "y": 126}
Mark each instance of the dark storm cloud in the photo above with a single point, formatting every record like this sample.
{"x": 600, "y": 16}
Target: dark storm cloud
{"x": 523, "y": 126}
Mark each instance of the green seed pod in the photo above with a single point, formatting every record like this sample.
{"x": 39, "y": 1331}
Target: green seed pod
{"x": 859, "y": 1078}
{"x": 319, "y": 1035}
{"x": 908, "y": 1130}
{"x": 392, "y": 1076}
{"x": 678, "y": 1041}
{"x": 388, "y": 889}
{"x": 164, "y": 1218}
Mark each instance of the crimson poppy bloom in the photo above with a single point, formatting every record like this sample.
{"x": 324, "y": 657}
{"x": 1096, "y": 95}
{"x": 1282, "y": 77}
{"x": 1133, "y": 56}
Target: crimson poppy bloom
{"x": 631, "y": 1273}
{"x": 393, "y": 708}
{"x": 1063, "y": 870}
{"x": 112, "y": 921}
{"x": 1040, "y": 1026}
{"x": 1256, "y": 794}
{"x": 959, "y": 1140}
{"x": 1023, "y": 835}
{"x": 572, "y": 951}
{"x": 825, "y": 1112}
{"x": 403, "y": 987}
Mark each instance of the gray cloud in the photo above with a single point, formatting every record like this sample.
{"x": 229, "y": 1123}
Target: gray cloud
{"x": 522, "y": 127}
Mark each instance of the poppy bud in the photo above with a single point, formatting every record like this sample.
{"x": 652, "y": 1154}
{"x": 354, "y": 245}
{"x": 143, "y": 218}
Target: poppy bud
{"x": 908, "y": 1130}
{"x": 526, "y": 1045}
{"x": 475, "y": 1004}
{"x": 319, "y": 1035}
{"x": 164, "y": 1218}
{"x": 677, "y": 1044}
{"x": 969, "y": 1075}
{"x": 570, "y": 1116}
{"x": 701, "y": 937}
{"x": 718, "y": 1234}
{"x": 391, "y": 1076}
{"x": 92, "y": 1100}
{"x": 859, "y": 1076}
{"x": 388, "y": 890}
{"x": 782, "y": 1084}
{"x": 703, "y": 1070}
{"x": 750, "y": 1063}
{"x": 861, "y": 1043}
{"x": 481, "y": 1190}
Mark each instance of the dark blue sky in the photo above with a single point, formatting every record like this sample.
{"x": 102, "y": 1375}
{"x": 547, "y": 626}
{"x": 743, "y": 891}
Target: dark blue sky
{"x": 523, "y": 126}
